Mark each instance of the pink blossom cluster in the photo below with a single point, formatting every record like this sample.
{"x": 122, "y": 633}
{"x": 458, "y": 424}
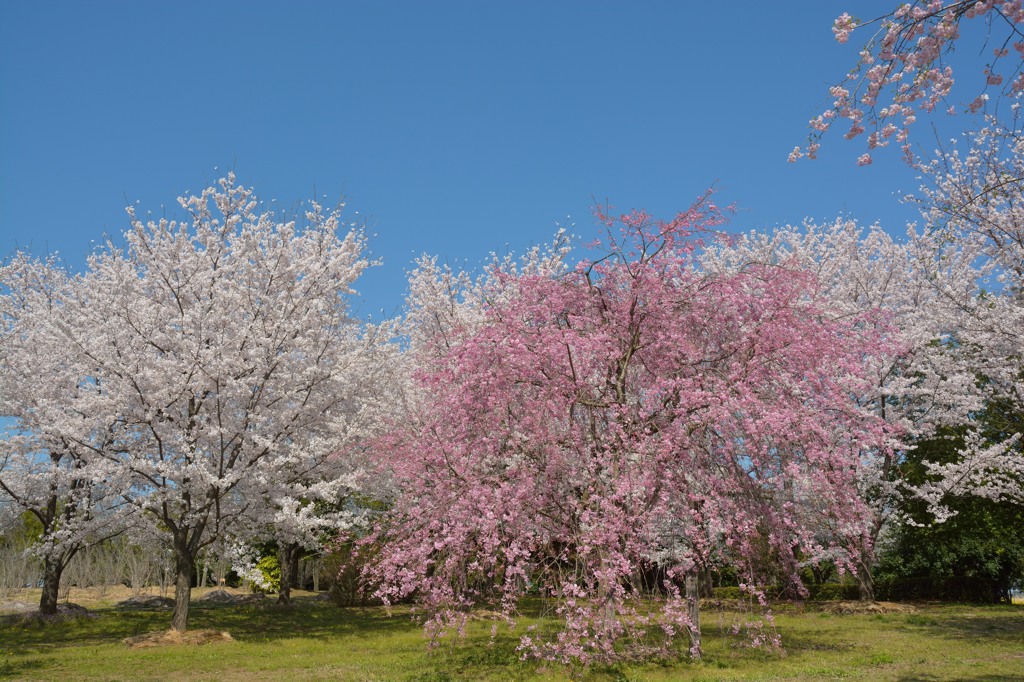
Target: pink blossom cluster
{"x": 901, "y": 72}
{"x": 610, "y": 430}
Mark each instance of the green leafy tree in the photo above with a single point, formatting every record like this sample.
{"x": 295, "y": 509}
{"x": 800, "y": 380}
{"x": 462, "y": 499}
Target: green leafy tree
{"x": 977, "y": 554}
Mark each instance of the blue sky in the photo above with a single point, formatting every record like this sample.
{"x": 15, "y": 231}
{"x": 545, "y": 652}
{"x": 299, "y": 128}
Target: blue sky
{"x": 453, "y": 128}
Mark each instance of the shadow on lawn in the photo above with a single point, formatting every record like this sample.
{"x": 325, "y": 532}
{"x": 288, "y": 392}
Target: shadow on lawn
{"x": 980, "y": 678}
{"x": 1008, "y": 627}
{"x": 12, "y": 670}
{"x": 245, "y": 623}
{"x": 454, "y": 658}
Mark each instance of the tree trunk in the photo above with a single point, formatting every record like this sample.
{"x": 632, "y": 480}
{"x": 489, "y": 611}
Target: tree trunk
{"x": 693, "y": 611}
{"x": 865, "y": 581}
{"x": 706, "y": 583}
{"x": 605, "y": 599}
{"x": 52, "y": 569}
{"x": 288, "y": 559}
{"x": 296, "y": 555}
{"x": 316, "y": 575}
{"x": 184, "y": 565}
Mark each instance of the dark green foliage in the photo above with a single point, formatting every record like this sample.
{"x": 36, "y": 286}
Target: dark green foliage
{"x": 834, "y": 592}
{"x": 977, "y": 555}
{"x": 947, "y": 589}
{"x": 343, "y": 566}
{"x": 729, "y": 592}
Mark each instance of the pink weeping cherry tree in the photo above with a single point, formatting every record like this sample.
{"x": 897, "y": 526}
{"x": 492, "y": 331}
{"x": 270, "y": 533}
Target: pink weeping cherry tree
{"x": 631, "y": 416}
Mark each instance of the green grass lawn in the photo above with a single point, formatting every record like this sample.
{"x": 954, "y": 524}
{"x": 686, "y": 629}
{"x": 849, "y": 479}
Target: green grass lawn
{"x": 318, "y": 641}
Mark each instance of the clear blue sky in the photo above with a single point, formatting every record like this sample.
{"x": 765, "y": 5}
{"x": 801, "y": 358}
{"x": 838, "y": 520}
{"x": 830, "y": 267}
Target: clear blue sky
{"x": 453, "y": 128}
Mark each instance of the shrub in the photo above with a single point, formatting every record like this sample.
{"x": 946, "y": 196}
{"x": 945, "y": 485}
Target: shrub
{"x": 823, "y": 592}
{"x": 728, "y": 593}
{"x": 979, "y": 589}
{"x": 834, "y": 592}
{"x": 270, "y": 570}
{"x": 343, "y": 567}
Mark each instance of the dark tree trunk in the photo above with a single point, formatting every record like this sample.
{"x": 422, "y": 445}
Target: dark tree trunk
{"x": 693, "y": 611}
{"x": 865, "y": 581}
{"x": 706, "y": 583}
{"x": 52, "y": 569}
{"x": 866, "y": 560}
{"x": 288, "y": 558}
{"x": 296, "y": 556}
{"x": 184, "y": 565}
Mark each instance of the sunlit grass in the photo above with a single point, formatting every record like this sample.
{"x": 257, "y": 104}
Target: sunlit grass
{"x": 317, "y": 641}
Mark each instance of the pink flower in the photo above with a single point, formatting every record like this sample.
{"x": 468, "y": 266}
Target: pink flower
{"x": 842, "y": 26}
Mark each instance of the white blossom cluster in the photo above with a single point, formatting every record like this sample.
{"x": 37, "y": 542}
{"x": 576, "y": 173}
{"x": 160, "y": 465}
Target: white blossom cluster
{"x": 207, "y": 380}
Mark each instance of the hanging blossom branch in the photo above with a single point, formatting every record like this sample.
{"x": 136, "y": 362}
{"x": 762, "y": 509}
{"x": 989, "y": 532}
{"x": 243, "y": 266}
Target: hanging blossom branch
{"x": 902, "y": 70}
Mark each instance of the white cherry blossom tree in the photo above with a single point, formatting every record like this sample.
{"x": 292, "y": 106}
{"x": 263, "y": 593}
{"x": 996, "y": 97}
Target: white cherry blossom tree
{"x": 222, "y": 351}
{"x": 973, "y": 205}
{"x": 46, "y": 467}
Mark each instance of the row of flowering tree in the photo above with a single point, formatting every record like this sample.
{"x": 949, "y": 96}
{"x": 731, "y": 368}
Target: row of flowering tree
{"x": 599, "y": 433}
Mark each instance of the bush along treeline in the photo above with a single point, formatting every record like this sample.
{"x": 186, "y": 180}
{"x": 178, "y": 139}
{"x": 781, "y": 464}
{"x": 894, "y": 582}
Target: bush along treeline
{"x": 668, "y": 414}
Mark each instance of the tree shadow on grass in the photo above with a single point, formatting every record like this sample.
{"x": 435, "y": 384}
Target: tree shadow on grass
{"x": 979, "y": 678}
{"x": 309, "y": 621}
{"x": 12, "y": 670}
{"x": 456, "y": 657}
{"x": 812, "y": 643}
{"x": 245, "y": 623}
{"x": 1005, "y": 627}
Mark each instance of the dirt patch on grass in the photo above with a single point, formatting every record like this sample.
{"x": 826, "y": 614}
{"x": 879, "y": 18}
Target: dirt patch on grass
{"x": 723, "y": 605}
{"x": 146, "y": 601}
{"x": 17, "y": 607}
{"x": 174, "y": 638}
{"x": 858, "y": 607}
{"x": 110, "y": 596}
{"x": 65, "y": 612}
{"x": 231, "y": 597}
{"x": 478, "y": 615}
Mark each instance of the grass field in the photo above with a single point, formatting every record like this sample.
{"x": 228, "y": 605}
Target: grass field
{"x": 318, "y": 641}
